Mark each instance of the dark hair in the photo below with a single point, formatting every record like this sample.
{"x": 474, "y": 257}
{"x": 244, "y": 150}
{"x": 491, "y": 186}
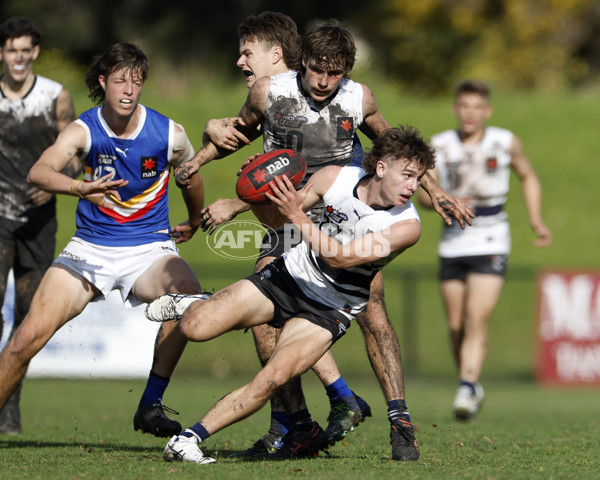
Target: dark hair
{"x": 330, "y": 44}
{"x": 471, "y": 86}
{"x": 118, "y": 56}
{"x": 274, "y": 28}
{"x": 403, "y": 142}
{"x": 16, "y": 27}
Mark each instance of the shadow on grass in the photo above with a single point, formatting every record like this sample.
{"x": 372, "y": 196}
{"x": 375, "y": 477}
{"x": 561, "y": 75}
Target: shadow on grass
{"x": 11, "y": 442}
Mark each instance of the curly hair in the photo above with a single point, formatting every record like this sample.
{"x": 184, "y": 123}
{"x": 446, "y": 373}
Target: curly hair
{"x": 118, "y": 56}
{"x": 274, "y": 28}
{"x": 403, "y": 142}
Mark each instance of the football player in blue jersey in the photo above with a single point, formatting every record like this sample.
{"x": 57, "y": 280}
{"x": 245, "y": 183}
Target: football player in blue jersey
{"x": 123, "y": 240}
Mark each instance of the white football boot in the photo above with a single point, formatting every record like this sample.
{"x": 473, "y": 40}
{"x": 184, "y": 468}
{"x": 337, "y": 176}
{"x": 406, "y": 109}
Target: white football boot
{"x": 171, "y": 306}
{"x": 466, "y": 403}
{"x": 185, "y": 449}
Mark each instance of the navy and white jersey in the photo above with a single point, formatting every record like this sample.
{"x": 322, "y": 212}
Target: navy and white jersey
{"x": 344, "y": 218}
{"x": 27, "y": 128}
{"x": 291, "y": 115}
{"x": 480, "y": 171}
{"x": 142, "y": 214}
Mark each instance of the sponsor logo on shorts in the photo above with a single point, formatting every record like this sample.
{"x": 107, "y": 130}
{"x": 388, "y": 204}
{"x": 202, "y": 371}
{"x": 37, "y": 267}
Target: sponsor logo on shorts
{"x": 149, "y": 167}
{"x": 72, "y": 256}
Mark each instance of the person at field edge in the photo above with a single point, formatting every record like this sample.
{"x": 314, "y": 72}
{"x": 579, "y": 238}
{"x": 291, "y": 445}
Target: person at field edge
{"x": 321, "y": 90}
{"x": 123, "y": 239}
{"x": 315, "y": 289}
{"x": 474, "y": 163}
{"x": 270, "y": 45}
{"x": 33, "y": 110}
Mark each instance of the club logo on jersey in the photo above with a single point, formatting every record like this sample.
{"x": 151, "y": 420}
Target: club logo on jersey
{"x": 149, "y": 167}
{"x": 491, "y": 164}
{"x": 344, "y": 128}
{"x": 290, "y": 121}
{"x": 106, "y": 159}
{"x": 334, "y": 215}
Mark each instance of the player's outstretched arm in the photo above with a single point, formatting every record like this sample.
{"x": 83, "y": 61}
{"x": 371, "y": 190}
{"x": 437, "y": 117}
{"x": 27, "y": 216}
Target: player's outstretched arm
{"x": 251, "y": 116}
{"x": 47, "y": 175}
{"x": 193, "y": 196}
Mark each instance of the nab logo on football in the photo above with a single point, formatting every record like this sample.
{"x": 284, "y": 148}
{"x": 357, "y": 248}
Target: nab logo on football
{"x": 264, "y": 175}
{"x": 149, "y": 166}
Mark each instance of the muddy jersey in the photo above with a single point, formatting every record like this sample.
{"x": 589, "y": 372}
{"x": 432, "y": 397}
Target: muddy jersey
{"x": 27, "y": 128}
{"x": 291, "y": 116}
{"x": 142, "y": 214}
{"x": 480, "y": 171}
{"x": 344, "y": 218}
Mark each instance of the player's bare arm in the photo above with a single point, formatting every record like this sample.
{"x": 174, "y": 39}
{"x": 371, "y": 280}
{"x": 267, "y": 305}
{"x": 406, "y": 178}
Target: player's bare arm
{"x": 532, "y": 192}
{"x": 373, "y": 122}
{"x": 183, "y": 151}
{"x": 251, "y": 115}
{"x": 47, "y": 174}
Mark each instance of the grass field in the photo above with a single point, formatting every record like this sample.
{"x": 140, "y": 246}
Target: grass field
{"x": 82, "y": 429}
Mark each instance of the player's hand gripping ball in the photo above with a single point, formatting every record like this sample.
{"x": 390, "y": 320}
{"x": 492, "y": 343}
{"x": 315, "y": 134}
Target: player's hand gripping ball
{"x": 253, "y": 181}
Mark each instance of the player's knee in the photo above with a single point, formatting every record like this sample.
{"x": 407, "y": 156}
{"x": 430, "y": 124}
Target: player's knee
{"x": 271, "y": 378}
{"x": 26, "y": 341}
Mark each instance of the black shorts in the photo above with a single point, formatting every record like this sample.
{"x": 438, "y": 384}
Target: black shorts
{"x": 33, "y": 242}
{"x": 275, "y": 283}
{"x": 458, "y": 268}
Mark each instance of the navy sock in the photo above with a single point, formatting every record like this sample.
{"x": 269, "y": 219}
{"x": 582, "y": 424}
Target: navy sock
{"x": 468, "y": 384}
{"x": 338, "y": 389}
{"x": 197, "y": 430}
{"x": 155, "y": 389}
{"x": 301, "y": 419}
{"x": 280, "y": 424}
{"x": 397, "y": 410}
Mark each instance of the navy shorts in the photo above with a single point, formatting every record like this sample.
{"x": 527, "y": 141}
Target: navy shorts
{"x": 275, "y": 283}
{"x": 32, "y": 243}
{"x": 457, "y": 268}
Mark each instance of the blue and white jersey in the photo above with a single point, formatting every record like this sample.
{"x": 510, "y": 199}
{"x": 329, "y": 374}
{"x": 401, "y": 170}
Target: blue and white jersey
{"x": 344, "y": 218}
{"x": 142, "y": 214}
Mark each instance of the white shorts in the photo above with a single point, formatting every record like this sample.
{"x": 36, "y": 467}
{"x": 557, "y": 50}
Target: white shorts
{"x": 113, "y": 268}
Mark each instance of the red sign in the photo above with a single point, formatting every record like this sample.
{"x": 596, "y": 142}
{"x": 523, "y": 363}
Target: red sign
{"x": 569, "y": 327}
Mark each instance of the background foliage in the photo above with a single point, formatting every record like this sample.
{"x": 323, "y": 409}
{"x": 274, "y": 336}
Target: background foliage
{"x": 425, "y": 46}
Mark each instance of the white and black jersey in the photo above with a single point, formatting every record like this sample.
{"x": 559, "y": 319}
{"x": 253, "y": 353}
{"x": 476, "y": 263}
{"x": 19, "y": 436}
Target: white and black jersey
{"x": 27, "y": 128}
{"x": 480, "y": 171}
{"x": 291, "y": 115}
{"x": 344, "y": 218}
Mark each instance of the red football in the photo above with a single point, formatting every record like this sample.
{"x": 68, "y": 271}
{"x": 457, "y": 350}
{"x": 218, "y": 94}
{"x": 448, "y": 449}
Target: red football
{"x": 253, "y": 181}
